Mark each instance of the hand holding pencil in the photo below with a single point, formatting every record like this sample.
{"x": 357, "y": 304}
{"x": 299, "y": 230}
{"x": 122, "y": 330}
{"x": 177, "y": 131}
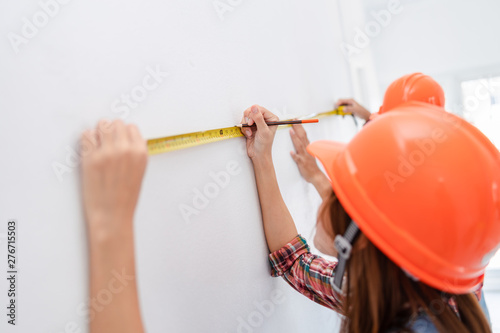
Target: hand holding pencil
{"x": 259, "y": 126}
{"x": 260, "y": 137}
{"x": 284, "y": 122}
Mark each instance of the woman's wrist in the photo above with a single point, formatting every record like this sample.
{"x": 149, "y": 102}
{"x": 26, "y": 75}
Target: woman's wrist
{"x": 322, "y": 184}
{"x": 263, "y": 161}
{"x": 318, "y": 179}
{"x": 364, "y": 113}
{"x": 111, "y": 229}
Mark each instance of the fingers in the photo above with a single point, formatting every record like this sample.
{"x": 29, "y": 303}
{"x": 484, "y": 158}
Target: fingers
{"x": 120, "y": 136}
{"x": 247, "y": 131}
{"x": 349, "y": 109}
{"x": 115, "y": 134}
{"x": 112, "y": 134}
{"x": 246, "y": 117}
{"x": 345, "y": 101}
{"x": 88, "y": 142}
{"x": 137, "y": 143}
{"x": 133, "y": 133}
{"x": 268, "y": 115}
{"x": 134, "y": 136}
{"x": 104, "y": 132}
{"x": 299, "y": 138}
{"x": 298, "y": 143}
{"x": 243, "y": 119}
{"x": 301, "y": 132}
{"x": 258, "y": 118}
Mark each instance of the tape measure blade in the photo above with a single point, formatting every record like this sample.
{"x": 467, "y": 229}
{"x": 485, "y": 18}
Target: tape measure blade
{"x": 177, "y": 142}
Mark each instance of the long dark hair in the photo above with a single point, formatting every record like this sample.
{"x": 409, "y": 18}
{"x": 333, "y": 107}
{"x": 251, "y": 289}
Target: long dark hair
{"x": 380, "y": 296}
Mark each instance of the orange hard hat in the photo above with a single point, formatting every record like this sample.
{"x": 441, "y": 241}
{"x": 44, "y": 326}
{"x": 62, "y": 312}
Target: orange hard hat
{"x": 430, "y": 200}
{"x": 413, "y": 87}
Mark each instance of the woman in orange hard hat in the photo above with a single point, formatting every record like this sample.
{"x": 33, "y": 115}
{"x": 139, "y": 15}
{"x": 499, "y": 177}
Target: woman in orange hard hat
{"x": 415, "y": 224}
{"x": 416, "y": 87}
{"x": 412, "y": 87}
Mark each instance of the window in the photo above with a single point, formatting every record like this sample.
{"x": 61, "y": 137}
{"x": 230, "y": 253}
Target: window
{"x": 481, "y": 100}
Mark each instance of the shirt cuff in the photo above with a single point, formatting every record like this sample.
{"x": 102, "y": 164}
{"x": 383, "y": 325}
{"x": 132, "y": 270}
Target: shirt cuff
{"x": 283, "y": 259}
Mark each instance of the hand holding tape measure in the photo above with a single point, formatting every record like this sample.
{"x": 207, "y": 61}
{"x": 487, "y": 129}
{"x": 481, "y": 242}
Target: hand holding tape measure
{"x": 182, "y": 141}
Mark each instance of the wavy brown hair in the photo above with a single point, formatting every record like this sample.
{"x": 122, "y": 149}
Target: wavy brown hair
{"x": 382, "y": 297}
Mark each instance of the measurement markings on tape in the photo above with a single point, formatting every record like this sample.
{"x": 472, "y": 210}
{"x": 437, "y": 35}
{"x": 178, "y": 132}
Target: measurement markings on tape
{"x": 181, "y": 141}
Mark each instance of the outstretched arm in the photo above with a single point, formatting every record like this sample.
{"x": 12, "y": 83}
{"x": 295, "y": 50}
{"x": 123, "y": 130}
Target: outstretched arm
{"x": 278, "y": 223}
{"x": 290, "y": 256}
{"x": 114, "y": 158}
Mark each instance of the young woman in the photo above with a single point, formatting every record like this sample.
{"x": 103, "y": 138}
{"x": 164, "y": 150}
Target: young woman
{"x": 415, "y": 223}
{"x": 412, "y": 87}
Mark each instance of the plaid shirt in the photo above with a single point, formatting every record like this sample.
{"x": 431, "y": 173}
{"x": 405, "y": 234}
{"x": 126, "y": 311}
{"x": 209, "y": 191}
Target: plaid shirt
{"x": 307, "y": 273}
{"x": 312, "y": 275}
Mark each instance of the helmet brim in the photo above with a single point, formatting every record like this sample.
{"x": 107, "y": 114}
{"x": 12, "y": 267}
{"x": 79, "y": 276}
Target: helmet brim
{"x": 326, "y": 152}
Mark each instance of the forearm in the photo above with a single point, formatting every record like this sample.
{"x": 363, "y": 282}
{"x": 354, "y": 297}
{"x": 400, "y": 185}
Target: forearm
{"x": 307, "y": 273}
{"x": 278, "y": 223}
{"x": 364, "y": 114}
{"x": 114, "y": 304}
{"x": 322, "y": 185}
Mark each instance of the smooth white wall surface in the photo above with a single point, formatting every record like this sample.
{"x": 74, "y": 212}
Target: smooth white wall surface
{"x": 205, "y": 274}
{"x": 448, "y": 39}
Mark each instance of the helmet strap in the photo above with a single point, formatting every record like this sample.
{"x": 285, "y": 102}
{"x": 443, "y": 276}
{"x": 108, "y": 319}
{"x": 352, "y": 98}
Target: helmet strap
{"x": 343, "y": 245}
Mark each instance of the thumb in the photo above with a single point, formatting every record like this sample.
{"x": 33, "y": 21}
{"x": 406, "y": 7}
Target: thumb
{"x": 247, "y": 132}
{"x": 348, "y": 108}
{"x": 258, "y": 118}
{"x": 345, "y": 101}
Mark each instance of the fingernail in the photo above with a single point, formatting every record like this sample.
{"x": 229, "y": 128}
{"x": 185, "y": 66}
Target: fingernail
{"x": 292, "y": 132}
{"x": 247, "y": 119}
{"x": 255, "y": 109}
{"x": 248, "y": 132}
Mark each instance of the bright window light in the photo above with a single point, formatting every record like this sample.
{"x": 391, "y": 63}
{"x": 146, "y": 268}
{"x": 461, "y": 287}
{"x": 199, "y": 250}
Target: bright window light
{"x": 481, "y": 100}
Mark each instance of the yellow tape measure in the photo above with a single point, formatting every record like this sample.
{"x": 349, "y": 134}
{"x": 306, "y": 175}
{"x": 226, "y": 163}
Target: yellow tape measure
{"x": 176, "y": 142}
{"x": 181, "y": 141}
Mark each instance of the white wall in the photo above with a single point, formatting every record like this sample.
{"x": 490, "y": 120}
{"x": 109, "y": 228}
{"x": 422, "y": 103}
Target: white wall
{"x": 449, "y": 40}
{"x": 201, "y": 276}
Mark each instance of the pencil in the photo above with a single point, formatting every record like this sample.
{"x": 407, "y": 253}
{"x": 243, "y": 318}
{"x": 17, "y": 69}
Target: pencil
{"x": 285, "y": 122}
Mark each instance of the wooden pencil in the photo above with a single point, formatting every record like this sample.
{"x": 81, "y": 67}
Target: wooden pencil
{"x": 285, "y": 122}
